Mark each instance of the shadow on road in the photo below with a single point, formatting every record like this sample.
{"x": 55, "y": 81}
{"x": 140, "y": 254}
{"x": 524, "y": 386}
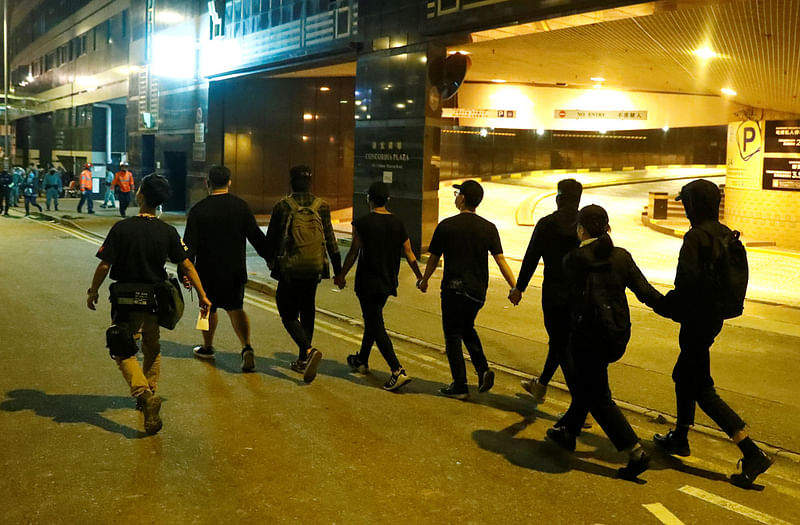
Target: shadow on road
{"x": 72, "y": 408}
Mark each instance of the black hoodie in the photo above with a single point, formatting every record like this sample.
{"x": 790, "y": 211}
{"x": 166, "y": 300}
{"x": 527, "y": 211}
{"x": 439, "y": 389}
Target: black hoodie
{"x": 701, "y": 200}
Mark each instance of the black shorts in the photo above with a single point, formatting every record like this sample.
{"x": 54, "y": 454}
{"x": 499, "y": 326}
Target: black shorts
{"x": 228, "y": 296}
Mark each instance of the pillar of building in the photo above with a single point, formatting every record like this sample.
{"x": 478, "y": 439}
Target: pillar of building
{"x": 398, "y": 113}
{"x": 762, "y": 183}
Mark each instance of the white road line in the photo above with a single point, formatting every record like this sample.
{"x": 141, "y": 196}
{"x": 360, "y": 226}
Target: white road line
{"x": 732, "y": 506}
{"x": 663, "y": 514}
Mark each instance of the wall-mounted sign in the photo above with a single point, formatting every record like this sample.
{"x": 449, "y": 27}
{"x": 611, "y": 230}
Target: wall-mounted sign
{"x": 744, "y": 164}
{"x": 478, "y": 113}
{"x": 586, "y": 114}
{"x": 781, "y": 155}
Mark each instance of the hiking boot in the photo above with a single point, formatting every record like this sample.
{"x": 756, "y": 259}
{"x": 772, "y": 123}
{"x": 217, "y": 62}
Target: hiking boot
{"x": 535, "y": 388}
{"x": 312, "y": 363}
{"x": 751, "y": 468}
{"x": 634, "y": 467}
{"x": 356, "y": 364}
{"x": 203, "y": 353}
{"x": 248, "y": 359}
{"x": 562, "y": 437}
{"x": 486, "y": 381}
{"x": 152, "y": 421}
{"x": 397, "y": 380}
{"x": 455, "y": 391}
{"x": 673, "y": 444}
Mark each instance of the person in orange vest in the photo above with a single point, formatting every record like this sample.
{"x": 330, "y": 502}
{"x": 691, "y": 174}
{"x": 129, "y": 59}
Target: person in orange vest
{"x": 124, "y": 180}
{"x": 86, "y": 188}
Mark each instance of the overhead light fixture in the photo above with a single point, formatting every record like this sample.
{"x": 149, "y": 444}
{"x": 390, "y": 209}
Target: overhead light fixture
{"x": 498, "y": 81}
{"x": 665, "y": 128}
{"x": 342, "y": 101}
{"x": 324, "y": 88}
{"x": 400, "y": 105}
{"x": 705, "y": 53}
{"x": 308, "y": 116}
{"x": 728, "y": 91}
{"x": 598, "y": 79}
{"x": 598, "y": 86}
{"x": 460, "y": 52}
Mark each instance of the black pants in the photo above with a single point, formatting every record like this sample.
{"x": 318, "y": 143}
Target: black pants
{"x": 458, "y": 324}
{"x": 31, "y": 199}
{"x": 5, "y": 199}
{"x": 693, "y": 382}
{"x": 86, "y": 196}
{"x": 374, "y": 330}
{"x": 295, "y": 301}
{"x": 124, "y": 202}
{"x": 587, "y": 379}
{"x": 556, "y": 322}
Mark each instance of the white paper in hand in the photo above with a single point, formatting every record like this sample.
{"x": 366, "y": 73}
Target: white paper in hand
{"x": 202, "y": 321}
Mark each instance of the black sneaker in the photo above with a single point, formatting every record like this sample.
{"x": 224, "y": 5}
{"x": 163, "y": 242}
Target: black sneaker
{"x": 751, "y": 468}
{"x": 152, "y": 421}
{"x": 312, "y": 363}
{"x": 397, "y": 380}
{"x": 455, "y": 391}
{"x": 203, "y": 353}
{"x": 298, "y": 366}
{"x": 486, "y": 381}
{"x": 535, "y": 388}
{"x": 673, "y": 444}
{"x": 248, "y": 359}
{"x": 562, "y": 437}
{"x": 356, "y": 364}
{"x": 634, "y": 467}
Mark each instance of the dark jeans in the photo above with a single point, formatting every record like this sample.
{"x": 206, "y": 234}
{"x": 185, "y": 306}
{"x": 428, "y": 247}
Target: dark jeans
{"x": 374, "y": 330}
{"x": 587, "y": 379}
{"x": 458, "y": 324}
{"x": 86, "y": 196}
{"x": 556, "y": 322}
{"x": 124, "y": 202}
{"x": 693, "y": 382}
{"x": 5, "y": 199}
{"x": 295, "y": 299}
{"x": 31, "y": 199}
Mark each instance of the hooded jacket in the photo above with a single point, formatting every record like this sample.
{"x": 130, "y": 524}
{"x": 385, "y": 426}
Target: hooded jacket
{"x": 687, "y": 301}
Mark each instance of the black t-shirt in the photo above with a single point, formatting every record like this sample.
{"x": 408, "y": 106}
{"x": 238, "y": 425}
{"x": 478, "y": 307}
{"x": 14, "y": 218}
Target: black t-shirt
{"x": 382, "y": 236}
{"x": 464, "y": 241}
{"x": 216, "y": 230}
{"x": 138, "y": 247}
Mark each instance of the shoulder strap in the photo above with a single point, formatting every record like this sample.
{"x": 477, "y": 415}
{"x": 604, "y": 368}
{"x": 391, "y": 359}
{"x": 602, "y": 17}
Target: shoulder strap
{"x": 316, "y": 204}
{"x": 293, "y": 205}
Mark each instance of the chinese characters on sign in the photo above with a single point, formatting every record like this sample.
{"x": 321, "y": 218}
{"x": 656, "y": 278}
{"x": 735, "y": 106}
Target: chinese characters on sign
{"x": 580, "y": 114}
{"x": 782, "y": 155}
{"x": 478, "y": 113}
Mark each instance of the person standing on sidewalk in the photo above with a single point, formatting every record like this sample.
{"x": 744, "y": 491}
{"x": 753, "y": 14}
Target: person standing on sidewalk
{"x": 85, "y": 185}
{"x": 553, "y": 237}
{"x": 5, "y": 191}
{"x": 597, "y": 274}
{"x": 217, "y": 229}
{"x": 379, "y": 239}
{"x": 52, "y": 188}
{"x": 135, "y": 251}
{"x": 693, "y": 304}
{"x": 298, "y": 236}
{"x": 108, "y": 198}
{"x": 464, "y": 241}
{"x": 124, "y": 180}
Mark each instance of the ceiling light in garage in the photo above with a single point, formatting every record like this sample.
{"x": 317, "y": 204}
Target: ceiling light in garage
{"x": 498, "y": 81}
{"x": 598, "y": 79}
{"x": 324, "y": 88}
{"x": 728, "y": 91}
{"x": 705, "y": 53}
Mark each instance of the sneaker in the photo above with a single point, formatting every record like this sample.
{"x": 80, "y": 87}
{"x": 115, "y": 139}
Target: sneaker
{"x": 562, "y": 437}
{"x": 535, "y": 388}
{"x": 673, "y": 444}
{"x": 588, "y": 422}
{"x": 203, "y": 353}
{"x": 312, "y": 363}
{"x": 298, "y": 366}
{"x": 397, "y": 380}
{"x": 634, "y": 467}
{"x": 455, "y": 391}
{"x": 248, "y": 359}
{"x": 486, "y": 381}
{"x": 152, "y": 421}
{"x": 356, "y": 364}
{"x": 751, "y": 468}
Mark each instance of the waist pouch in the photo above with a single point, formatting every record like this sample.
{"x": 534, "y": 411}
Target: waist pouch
{"x": 133, "y": 295}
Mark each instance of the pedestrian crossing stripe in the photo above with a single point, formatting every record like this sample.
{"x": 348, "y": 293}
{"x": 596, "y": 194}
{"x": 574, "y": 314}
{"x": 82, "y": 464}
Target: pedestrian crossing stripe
{"x": 663, "y": 514}
{"x": 732, "y": 506}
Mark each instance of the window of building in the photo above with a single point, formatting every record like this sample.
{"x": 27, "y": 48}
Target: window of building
{"x": 49, "y": 61}
{"x": 84, "y": 49}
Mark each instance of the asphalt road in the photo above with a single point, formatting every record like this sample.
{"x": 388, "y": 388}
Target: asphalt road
{"x": 264, "y": 447}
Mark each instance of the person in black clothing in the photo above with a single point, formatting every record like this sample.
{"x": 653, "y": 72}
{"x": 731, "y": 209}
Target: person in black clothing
{"x": 588, "y": 353}
{"x": 553, "y": 237}
{"x": 378, "y": 241}
{"x": 135, "y": 251}
{"x": 5, "y": 191}
{"x": 295, "y": 297}
{"x": 216, "y": 231}
{"x": 690, "y": 305}
{"x": 464, "y": 241}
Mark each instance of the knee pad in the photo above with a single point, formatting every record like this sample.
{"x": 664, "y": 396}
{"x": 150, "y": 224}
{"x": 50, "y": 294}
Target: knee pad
{"x": 119, "y": 341}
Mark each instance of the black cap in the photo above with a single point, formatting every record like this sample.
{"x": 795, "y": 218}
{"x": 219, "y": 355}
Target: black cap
{"x": 472, "y": 192}
{"x": 378, "y": 192}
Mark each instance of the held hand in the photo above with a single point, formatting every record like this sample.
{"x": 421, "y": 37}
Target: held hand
{"x": 340, "y": 281}
{"x": 205, "y": 305}
{"x": 514, "y": 296}
{"x": 422, "y": 284}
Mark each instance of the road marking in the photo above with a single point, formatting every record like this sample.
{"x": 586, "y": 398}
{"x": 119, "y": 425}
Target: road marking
{"x": 74, "y": 233}
{"x": 663, "y": 514}
{"x": 732, "y": 506}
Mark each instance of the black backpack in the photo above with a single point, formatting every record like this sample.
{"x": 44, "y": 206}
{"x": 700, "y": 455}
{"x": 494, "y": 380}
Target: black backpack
{"x": 724, "y": 273}
{"x": 604, "y": 317}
